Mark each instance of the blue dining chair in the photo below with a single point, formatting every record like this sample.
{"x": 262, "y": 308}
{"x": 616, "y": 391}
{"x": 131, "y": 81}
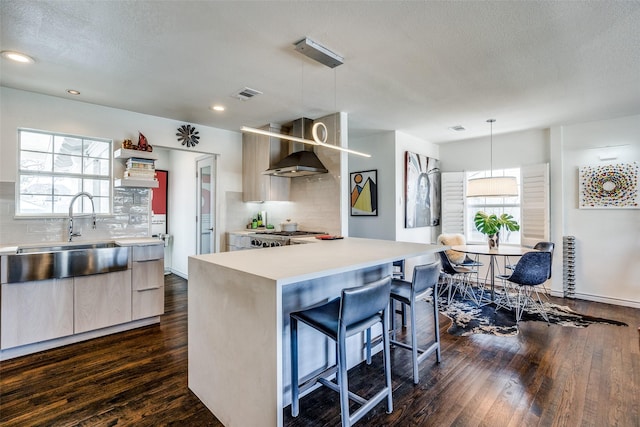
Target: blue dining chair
{"x": 531, "y": 271}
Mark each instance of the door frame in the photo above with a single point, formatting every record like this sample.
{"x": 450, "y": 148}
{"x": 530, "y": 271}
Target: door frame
{"x": 207, "y": 160}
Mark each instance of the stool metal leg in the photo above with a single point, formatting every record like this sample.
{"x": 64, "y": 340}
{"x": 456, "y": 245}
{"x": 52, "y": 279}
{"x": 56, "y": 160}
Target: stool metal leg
{"x": 342, "y": 374}
{"x": 295, "y": 395}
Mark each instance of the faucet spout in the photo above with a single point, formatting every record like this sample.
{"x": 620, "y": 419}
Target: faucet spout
{"x": 93, "y": 213}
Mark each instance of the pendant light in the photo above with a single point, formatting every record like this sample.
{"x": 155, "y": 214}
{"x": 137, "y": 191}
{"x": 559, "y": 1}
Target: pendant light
{"x": 499, "y": 186}
{"x": 326, "y": 57}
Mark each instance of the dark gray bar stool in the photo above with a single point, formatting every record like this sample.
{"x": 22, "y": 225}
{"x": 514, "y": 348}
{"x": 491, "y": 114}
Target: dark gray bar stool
{"x": 424, "y": 277}
{"x": 357, "y": 310}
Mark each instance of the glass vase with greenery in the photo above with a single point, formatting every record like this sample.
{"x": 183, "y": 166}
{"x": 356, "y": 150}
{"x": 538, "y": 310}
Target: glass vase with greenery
{"x": 491, "y": 224}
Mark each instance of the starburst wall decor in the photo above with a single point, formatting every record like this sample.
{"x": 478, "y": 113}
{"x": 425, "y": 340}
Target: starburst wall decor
{"x": 609, "y": 186}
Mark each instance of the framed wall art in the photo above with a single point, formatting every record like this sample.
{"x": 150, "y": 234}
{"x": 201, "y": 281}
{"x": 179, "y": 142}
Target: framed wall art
{"x": 364, "y": 193}
{"x": 422, "y": 191}
{"x": 613, "y": 186}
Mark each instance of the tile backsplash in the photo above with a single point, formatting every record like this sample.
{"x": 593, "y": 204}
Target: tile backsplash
{"x": 130, "y": 218}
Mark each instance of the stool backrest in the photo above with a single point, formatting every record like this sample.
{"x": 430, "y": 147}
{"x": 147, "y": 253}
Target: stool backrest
{"x": 360, "y": 303}
{"x": 532, "y": 269}
{"x": 425, "y": 276}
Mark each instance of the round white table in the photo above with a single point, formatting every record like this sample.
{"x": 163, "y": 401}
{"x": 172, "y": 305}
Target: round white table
{"x": 504, "y": 251}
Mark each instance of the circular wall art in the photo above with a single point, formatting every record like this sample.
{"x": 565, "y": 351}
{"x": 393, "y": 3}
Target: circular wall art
{"x": 609, "y": 186}
{"x": 188, "y": 135}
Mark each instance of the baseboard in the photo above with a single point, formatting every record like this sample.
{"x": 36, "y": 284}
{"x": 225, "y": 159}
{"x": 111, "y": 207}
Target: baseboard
{"x": 179, "y": 273}
{"x": 607, "y": 300}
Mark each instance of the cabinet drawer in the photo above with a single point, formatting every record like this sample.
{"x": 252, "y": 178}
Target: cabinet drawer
{"x": 146, "y": 253}
{"x": 147, "y": 275}
{"x": 147, "y": 303}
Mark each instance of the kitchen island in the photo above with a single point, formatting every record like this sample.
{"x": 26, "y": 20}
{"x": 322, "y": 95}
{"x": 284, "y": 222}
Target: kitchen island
{"x": 238, "y": 321}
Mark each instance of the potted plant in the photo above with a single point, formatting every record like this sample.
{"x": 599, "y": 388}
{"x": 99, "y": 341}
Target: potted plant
{"x": 490, "y": 224}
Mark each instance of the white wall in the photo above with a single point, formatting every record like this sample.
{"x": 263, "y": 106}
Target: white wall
{"x": 381, "y": 147}
{"x": 30, "y": 110}
{"x": 607, "y": 240}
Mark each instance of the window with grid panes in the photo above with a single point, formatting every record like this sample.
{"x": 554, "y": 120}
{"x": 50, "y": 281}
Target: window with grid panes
{"x": 53, "y": 167}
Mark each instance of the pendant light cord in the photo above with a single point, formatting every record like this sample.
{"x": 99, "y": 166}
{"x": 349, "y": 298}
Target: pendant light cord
{"x": 491, "y": 121}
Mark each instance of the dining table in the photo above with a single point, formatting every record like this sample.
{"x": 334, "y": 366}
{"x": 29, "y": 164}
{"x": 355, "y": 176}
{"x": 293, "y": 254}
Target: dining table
{"x": 492, "y": 253}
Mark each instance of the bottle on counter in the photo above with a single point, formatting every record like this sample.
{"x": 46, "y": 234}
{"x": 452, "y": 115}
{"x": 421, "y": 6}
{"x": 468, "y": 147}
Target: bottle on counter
{"x": 254, "y": 222}
{"x": 259, "y": 219}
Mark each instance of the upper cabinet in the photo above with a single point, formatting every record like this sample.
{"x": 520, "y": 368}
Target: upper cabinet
{"x": 139, "y": 168}
{"x": 259, "y": 152}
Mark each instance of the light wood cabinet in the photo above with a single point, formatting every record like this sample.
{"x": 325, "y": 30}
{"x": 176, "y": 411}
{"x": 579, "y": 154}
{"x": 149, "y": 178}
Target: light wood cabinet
{"x": 259, "y": 152}
{"x": 102, "y": 300}
{"x": 147, "y": 278}
{"x": 36, "y": 311}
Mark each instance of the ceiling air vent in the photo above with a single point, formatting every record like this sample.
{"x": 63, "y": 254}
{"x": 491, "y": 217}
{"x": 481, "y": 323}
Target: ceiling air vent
{"x": 246, "y": 93}
{"x": 457, "y": 128}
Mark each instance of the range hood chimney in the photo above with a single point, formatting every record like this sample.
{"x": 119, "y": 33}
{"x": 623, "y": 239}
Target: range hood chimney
{"x": 302, "y": 161}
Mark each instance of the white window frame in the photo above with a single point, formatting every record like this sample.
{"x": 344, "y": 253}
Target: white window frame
{"x": 80, "y": 206}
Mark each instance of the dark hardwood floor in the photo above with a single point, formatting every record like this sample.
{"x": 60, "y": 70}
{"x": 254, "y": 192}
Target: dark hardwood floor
{"x": 545, "y": 376}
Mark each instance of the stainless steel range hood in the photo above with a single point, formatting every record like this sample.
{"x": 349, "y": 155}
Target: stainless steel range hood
{"x": 302, "y": 161}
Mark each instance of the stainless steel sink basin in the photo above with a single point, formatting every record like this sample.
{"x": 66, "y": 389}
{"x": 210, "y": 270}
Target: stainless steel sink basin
{"x": 64, "y": 247}
{"x": 61, "y": 261}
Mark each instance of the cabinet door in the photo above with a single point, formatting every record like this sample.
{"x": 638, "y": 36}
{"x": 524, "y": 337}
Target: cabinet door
{"x": 148, "y": 289}
{"x": 36, "y": 311}
{"x": 102, "y": 300}
{"x": 259, "y": 152}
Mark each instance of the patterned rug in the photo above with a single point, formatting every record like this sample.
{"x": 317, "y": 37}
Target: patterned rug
{"x": 467, "y": 319}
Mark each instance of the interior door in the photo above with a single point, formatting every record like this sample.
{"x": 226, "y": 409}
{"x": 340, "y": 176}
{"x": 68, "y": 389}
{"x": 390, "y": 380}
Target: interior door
{"x": 205, "y": 216}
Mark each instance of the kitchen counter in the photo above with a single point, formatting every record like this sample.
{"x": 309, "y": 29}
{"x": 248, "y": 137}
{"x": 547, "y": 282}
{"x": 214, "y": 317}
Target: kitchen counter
{"x": 135, "y": 241}
{"x": 239, "y": 305}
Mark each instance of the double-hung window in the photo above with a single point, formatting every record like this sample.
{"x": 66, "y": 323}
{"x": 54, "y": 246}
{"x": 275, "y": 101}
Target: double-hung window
{"x": 54, "y": 167}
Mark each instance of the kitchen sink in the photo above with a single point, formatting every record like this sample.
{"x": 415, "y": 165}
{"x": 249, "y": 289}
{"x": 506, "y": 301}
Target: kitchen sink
{"x": 64, "y": 247}
{"x": 63, "y": 260}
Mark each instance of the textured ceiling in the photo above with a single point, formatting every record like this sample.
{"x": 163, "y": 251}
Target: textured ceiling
{"x": 416, "y": 67}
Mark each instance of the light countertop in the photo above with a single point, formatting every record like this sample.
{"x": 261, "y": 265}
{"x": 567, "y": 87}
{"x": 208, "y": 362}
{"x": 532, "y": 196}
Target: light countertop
{"x": 295, "y": 263}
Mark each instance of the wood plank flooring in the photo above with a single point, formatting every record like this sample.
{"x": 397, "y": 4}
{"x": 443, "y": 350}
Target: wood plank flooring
{"x": 545, "y": 376}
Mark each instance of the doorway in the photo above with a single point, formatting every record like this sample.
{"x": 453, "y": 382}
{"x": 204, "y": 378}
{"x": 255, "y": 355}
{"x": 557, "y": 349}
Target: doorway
{"x": 205, "y": 216}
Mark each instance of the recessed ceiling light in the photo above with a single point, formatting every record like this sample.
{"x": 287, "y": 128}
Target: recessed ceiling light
{"x": 457, "y": 128}
{"x": 17, "y": 57}
{"x": 218, "y": 108}
{"x": 73, "y": 92}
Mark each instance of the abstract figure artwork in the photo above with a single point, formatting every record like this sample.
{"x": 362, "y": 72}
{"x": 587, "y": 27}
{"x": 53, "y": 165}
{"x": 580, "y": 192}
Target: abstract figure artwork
{"x": 613, "y": 186}
{"x": 422, "y": 191}
{"x": 364, "y": 193}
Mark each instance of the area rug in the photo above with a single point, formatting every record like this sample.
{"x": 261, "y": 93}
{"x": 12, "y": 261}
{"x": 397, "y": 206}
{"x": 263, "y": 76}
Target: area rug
{"x": 468, "y": 319}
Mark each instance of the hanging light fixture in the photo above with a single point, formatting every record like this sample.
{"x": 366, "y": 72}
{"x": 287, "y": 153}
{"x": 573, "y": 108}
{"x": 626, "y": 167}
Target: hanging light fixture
{"x": 498, "y": 186}
{"x": 326, "y": 57}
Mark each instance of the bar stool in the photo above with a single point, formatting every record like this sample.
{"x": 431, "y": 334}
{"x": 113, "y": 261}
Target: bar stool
{"x": 424, "y": 277}
{"x": 356, "y": 310}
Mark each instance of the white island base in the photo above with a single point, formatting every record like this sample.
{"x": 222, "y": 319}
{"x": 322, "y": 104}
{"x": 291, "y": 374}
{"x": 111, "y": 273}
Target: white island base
{"x": 238, "y": 319}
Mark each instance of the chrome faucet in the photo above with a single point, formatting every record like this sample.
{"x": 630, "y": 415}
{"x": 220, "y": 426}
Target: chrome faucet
{"x": 93, "y": 214}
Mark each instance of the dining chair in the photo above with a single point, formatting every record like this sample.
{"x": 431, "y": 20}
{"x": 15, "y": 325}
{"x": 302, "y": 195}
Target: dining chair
{"x": 457, "y": 280}
{"x": 544, "y": 247}
{"x": 531, "y": 271}
{"x": 425, "y": 277}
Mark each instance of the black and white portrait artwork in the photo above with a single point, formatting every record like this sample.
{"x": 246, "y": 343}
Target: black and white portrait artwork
{"x": 422, "y": 191}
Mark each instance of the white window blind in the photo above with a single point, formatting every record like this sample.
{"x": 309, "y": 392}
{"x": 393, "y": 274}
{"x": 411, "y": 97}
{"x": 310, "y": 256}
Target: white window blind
{"x": 535, "y": 204}
{"x": 452, "y": 202}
